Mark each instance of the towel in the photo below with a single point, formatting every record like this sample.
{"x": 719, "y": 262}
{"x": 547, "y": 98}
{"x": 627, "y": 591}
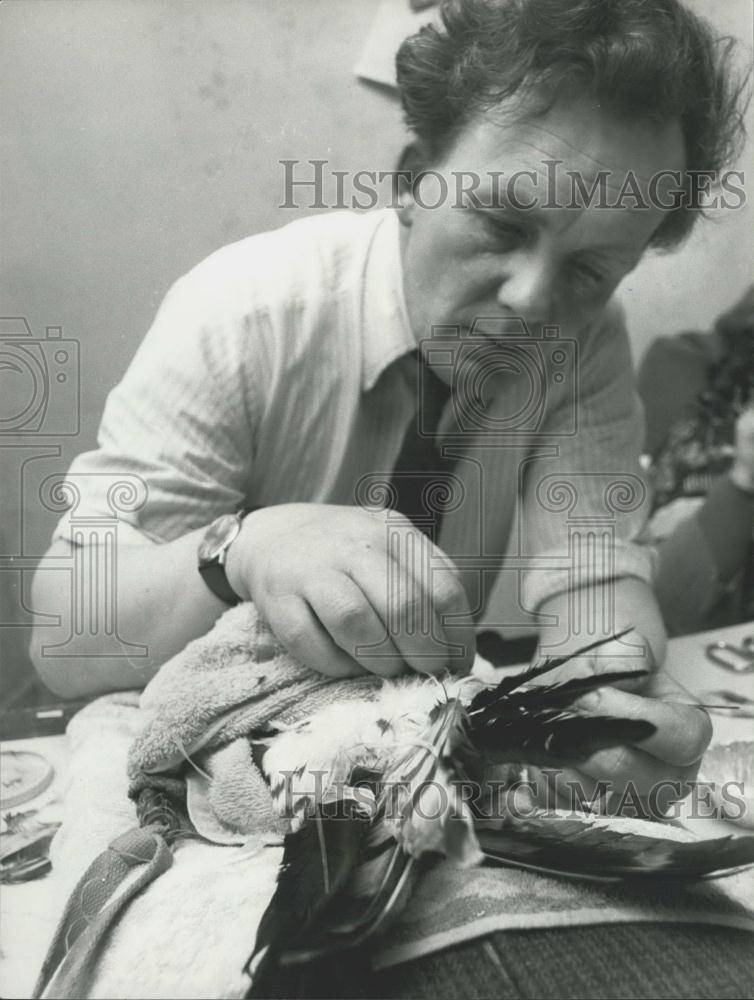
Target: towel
{"x": 235, "y": 685}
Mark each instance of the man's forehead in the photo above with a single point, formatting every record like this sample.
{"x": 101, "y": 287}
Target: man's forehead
{"x": 584, "y": 138}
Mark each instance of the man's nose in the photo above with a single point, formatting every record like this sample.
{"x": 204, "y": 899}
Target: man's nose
{"x": 527, "y": 289}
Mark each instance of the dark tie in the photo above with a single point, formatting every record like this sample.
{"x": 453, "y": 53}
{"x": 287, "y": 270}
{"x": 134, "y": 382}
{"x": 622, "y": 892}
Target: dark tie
{"x": 421, "y": 471}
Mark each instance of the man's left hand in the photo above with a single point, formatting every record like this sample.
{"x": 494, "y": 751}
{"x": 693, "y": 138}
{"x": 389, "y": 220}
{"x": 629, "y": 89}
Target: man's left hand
{"x": 655, "y": 772}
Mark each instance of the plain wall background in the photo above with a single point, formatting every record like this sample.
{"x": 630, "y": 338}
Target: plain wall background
{"x": 140, "y": 135}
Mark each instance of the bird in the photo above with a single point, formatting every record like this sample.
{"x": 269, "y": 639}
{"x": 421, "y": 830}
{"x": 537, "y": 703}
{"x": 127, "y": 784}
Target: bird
{"x": 374, "y": 790}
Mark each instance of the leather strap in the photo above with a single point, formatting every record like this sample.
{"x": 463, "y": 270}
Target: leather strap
{"x": 213, "y": 573}
{"x": 93, "y": 907}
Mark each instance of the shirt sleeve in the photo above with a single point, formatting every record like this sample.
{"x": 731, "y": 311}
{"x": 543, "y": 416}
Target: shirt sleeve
{"x": 176, "y": 440}
{"x": 584, "y": 498}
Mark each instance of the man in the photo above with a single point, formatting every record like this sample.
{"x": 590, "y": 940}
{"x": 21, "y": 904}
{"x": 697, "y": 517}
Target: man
{"x": 281, "y": 374}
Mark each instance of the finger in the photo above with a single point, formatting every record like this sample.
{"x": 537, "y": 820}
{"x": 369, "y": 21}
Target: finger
{"x": 568, "y": 788}
{"x": 453, "y": 613}
{"x": 347, "y": 615}
{"x": 614, "y": 792}
{"x": 439, "y": 583}
{"x": 665, "y": 687}
{"x": 296, "y": 626}
{"x": 410, "y": 620}
{"x": 635, "y": 778}
{"x": 630, "y": 652}
{"x": 682, "y": 732}
{"x": 539, "y": 793}
{"x": 397, "y": 585}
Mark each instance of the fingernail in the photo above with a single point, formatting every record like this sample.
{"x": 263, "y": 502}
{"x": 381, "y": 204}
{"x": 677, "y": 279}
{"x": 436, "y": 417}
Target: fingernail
{"x": 588, "y": 702}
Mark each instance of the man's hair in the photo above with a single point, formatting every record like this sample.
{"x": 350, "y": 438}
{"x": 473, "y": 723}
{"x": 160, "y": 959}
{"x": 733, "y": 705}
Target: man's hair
{"x": 650, "y": 59}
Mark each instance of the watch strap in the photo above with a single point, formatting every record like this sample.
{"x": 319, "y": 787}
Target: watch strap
{"x": 213, "y": 571}
{"x": 214, "y": 576}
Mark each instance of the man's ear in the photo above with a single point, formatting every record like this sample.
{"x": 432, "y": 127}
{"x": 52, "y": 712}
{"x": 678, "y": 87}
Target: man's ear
{"x": 411, "y": 162}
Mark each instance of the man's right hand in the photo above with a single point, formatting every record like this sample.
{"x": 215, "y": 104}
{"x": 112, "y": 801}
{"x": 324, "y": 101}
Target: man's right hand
{"x": 323, "y": 578}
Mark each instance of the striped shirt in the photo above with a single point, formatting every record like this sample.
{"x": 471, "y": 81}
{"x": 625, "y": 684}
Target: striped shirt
{"x": 282, "y": 368}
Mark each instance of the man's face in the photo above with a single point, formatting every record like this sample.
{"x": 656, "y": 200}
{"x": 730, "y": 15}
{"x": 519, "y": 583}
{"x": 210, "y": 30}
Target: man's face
{"x": 549, "y": 265}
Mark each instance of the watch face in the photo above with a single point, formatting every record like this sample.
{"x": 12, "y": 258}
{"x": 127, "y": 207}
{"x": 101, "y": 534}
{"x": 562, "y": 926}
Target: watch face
{"x": 217, "y": 536}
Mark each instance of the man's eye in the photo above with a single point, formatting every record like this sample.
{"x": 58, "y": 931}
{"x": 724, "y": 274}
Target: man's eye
{"x": 506, "y": 234}
{"x": 589, "y": 277}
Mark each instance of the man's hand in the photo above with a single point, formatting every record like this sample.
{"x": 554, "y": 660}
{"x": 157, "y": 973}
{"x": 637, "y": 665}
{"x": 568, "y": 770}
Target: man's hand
{"x": 325, "y": 581}
{"x": 658, "y": 769}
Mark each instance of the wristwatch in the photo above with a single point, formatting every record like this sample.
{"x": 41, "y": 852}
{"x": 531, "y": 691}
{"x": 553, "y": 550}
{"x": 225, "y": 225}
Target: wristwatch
{"x": 213, "y": 551}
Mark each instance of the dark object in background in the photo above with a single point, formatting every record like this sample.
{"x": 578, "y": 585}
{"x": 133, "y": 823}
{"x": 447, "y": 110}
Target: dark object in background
{"x": 24, "y": 848}
{"x": 697, "y": 389}
{"x": 694, "y": 387}
{"x": 506, "y": 652}
{"x": 46, "y": 720}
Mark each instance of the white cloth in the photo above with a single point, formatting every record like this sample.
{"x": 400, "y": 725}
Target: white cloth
{"x": 279, "y": 370}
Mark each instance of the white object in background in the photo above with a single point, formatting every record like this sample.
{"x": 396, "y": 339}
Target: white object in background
{"x": 393, "y": 22}
{"x": 25, "y": 775}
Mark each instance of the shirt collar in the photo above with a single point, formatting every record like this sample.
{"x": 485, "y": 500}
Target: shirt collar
{"x": 385, "y": 327}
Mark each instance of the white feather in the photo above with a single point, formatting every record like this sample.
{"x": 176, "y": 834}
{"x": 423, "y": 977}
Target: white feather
{"x": 305, "y": 761}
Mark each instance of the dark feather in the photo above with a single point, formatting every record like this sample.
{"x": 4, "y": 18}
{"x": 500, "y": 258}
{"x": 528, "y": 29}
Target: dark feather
{"x": 532, "y": 725}
{"x": 317, "y": 860}
{"x": 556, "y": 736}
{"x": 370, "y": 871}
{"x": 380, "y": 888}
{"x": 383, "y": 880}
{"x": 564, "y": 692}
{"x": 576, "y": 846}
{"x": 518, "y": 720}
{"x": 515, "y": 681}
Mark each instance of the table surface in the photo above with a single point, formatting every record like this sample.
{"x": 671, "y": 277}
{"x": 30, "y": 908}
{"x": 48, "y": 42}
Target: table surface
{"x": 28, "y": 912}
